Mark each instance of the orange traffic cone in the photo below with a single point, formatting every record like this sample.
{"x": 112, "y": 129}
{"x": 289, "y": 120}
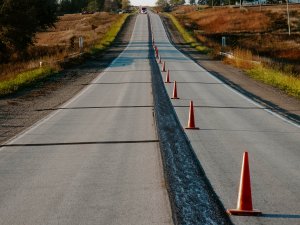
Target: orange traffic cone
{"x": 244, "y": 203}
{"x": 163, "y": 67}
{"x": 175, "y": 91}
{"x": 156, "y": 52}
{"x": 168, "y": 77}
{"x": 191, "y": 122}
{"x": 159, "y": 60}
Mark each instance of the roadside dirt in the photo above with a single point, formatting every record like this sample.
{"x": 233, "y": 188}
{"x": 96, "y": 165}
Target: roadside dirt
{"x": 266, "y": 95}
{"x": 22, "y": 110}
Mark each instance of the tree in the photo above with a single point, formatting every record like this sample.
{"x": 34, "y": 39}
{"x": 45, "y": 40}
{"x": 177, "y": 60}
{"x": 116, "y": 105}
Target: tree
{"x": 125, "y": 4}
{"x": 202, "y": 2}
{"x": 20, "y": 20}
{"x": 192, "y": 2}
{"x": 101, "y": 4}
{"x": 177, "y": 2}
{"x": 77, "y": 6}
{"x": 112, "y": 5}
{"x": 92, "y": 5}
{"x": 274, "y": 1}
{"x": 161, "y": 3}
{"x": 98, "y": 4}
{"x": 164, "y": 5}
{"x": 65, "y": 6}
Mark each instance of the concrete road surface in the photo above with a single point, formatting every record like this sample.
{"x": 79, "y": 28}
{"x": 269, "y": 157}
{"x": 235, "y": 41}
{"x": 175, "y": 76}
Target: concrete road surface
{"x": 230, "y": 124}
{"x": 95, "y": 160}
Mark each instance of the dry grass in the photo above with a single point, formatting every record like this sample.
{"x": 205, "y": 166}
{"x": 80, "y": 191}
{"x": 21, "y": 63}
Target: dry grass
{"x": 258, "y": 31}
{"x": 264, "y": 32}
{"x": 242, "y": 59}
{"x": 54, "y": 45}
{"x": 284, "y": 80}
{"x": 24, "y": 79}
{"x": 103, "y": 26}
{"x": 230, "y": 20}
{"x": 88, "y": 26}
{"x": 188, "y": 38}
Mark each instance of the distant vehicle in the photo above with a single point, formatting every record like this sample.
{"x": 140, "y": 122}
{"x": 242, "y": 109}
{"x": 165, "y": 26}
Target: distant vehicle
{"x": 144, "y": 10}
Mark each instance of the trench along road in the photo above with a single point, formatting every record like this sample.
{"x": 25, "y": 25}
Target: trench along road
{"x": 229, "y": 125}
{"x": 96, "y": 159}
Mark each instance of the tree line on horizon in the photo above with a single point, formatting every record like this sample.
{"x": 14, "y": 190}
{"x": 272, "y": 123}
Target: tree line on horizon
{"x": 168, "y": 4}
{"x": 76, "y": 6}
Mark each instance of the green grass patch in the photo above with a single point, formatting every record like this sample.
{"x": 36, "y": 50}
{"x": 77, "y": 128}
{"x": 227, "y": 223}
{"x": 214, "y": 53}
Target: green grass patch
{"x": 286, "y": 82}
{"x": 188, "y": 38}
{"x": 110, "y": 36}
{"x": 24, "y": 79}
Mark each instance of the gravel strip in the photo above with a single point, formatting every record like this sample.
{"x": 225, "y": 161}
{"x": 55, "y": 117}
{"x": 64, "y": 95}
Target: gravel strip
{"x": 192, "y": 198}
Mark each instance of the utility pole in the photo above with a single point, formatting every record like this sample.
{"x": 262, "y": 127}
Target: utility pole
{"x": 260, "y": 5}
{"x": 288, "y": 16}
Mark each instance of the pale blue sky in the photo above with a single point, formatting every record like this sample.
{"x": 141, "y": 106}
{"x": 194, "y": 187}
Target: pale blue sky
{"x": 143, "y": 2}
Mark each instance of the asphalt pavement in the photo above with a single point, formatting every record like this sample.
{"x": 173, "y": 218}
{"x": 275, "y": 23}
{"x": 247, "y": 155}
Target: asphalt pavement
{"x": 95, "y": 159}
{"x": 229, "y": 125}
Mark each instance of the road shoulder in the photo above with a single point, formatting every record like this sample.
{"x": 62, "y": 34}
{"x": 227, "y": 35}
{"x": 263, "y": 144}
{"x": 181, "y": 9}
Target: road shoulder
{"x": 269, "y": 97}
{"x": 22, "y": 110}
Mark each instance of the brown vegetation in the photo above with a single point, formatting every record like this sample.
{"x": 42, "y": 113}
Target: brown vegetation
{"x": 89, "y": 26}
{"x": 263, "y": 31}
{"x": 60, "y": 42}
{"x": 230, "y": 20}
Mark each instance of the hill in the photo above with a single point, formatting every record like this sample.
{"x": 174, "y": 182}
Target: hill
{"x": 262, "y": 30}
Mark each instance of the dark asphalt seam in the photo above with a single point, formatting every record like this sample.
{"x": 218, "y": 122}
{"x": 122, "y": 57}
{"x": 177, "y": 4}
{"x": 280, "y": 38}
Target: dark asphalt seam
{"x": 218, "y": 107}
{"x": 99, "y": 107}
{"x": 124, "y": 71}
{"x": 80, "y": 143}
{"x": 193, "y": 200}
{"x": 120, "y": 83}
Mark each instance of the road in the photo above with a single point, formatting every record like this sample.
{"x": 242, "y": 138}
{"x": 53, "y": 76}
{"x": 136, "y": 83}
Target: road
{"x": 94, "y": 160}
{"x": 230, "y": 124}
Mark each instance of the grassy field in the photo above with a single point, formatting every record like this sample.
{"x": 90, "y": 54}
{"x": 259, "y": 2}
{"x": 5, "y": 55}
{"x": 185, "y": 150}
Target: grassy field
{"x": 284, "y": 79}
{"x": 202, "y": 23}
{"x": 264, "y": 32}
{"x": 56, "y": 45}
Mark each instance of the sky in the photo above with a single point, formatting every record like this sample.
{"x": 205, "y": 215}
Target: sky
{"x": 143, "y": 2}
